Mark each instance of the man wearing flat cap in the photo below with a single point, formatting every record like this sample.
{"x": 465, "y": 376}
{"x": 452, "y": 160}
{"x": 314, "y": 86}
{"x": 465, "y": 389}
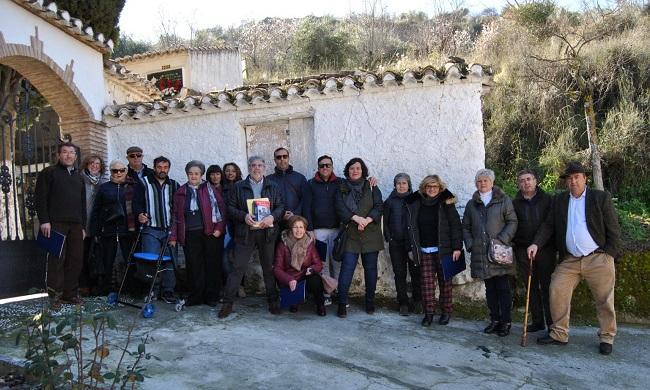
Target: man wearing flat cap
{"x": 588, "y": 237}
{"x": 138, "y": 170}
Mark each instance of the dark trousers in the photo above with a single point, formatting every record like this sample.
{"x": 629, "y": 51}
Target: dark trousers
{"x": 106, "y": 282}
{"x": 203, "y": 260}
{"x": 543, "y": 267}
{"x": 431, "y": 269}
{"x": 243, "y": 251}
{"x": 315, "y": 287}
{"x": 499, "y": 298}
{"x": 63, "y": 272}
{"x": 401, "y": 266}
{"x": 348, "y": 265}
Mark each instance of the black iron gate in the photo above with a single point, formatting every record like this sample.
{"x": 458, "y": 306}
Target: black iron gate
{"x": 30, "y": 134}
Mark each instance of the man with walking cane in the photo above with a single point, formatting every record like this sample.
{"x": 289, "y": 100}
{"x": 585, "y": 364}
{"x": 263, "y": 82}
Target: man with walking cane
{"x": 532, "y": 205}
{"x": 588, "y": 236}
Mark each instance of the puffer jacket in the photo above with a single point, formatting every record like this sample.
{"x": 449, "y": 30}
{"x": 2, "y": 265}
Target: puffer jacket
{"x": 395, "y": 217}
{"x": 294, "y": 189}
{"x": 113, "y": 209}
{"x": 450, "y": 232}
{"x": 482, "y": 222}
{"x": 238, "y": 208}
{"x": 322, "y": 211}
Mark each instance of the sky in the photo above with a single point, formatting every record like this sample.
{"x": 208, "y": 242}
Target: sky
{"x": 141, "y": 19}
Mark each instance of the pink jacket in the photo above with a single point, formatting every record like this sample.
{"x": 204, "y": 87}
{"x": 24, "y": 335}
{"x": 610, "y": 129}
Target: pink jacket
{"x": 178, "y": 212}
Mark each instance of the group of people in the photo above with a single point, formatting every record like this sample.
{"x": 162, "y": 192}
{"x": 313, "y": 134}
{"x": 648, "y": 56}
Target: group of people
{"x": 212, "y": 219}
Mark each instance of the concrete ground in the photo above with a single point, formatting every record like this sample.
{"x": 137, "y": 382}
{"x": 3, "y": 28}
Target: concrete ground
{"x": 254, "y": 349}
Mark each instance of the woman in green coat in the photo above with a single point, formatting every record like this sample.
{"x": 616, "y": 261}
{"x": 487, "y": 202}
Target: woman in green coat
{"x": 359, "y": 207}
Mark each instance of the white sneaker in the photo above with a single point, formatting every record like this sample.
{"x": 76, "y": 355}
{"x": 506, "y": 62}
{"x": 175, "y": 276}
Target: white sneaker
{"x": 328, "y": 301}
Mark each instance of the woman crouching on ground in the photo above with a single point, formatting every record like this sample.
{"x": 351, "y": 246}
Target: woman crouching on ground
{"x": 296, "y": 259}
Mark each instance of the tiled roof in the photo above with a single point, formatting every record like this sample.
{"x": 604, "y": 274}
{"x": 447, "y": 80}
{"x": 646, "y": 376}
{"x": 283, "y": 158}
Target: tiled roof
{"x": 138, "y": 82}
{"x": 173, "y": 50}
{"x": 72, "y": 26}
{"x": 312, "y": 87}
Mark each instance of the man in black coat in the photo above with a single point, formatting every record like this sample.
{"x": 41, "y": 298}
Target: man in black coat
{"x": 61, "y": 207}
{"x": 251, "y": 234}
{"x": 588, "y": 237}
{"x": 292, "y": 185}
{"x": 532, "y": 205}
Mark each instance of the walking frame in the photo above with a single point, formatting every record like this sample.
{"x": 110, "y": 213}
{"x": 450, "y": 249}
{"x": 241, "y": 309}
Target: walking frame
{"x": 148, "y": 309}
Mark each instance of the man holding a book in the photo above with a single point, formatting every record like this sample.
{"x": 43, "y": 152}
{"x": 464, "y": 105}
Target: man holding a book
{"x": 255, "y": 205}
{"x": 61, "y": 209}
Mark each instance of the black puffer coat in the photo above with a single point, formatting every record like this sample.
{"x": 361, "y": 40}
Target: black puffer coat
{"x": 450, "y": 233}
{"x": 395, "y": 217}
{"x": 482, "y": 222}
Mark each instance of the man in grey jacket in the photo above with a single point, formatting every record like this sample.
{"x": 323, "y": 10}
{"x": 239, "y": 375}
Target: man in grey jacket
{"x": 588, "y": 238}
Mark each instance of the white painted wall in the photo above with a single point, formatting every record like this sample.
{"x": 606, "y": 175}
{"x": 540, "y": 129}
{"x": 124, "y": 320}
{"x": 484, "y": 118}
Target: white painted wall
{"x": 18, "y": 24}
{"x": 420, "y": 130}
{"x": 202, "y": 70}
{"x": 212, "y": 71}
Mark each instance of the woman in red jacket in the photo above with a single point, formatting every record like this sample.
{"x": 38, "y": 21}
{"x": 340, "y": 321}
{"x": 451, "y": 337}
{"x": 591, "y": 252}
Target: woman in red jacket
{"x": 199, "y": 215}
{"x": 296, "y": 259}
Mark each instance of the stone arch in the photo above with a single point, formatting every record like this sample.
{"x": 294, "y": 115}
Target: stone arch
{"x": 54, "y": 83}
{"x": 57, "y": 86}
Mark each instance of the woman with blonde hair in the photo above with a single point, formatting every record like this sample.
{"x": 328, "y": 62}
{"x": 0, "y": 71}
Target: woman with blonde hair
{"x": 435, "y": 231}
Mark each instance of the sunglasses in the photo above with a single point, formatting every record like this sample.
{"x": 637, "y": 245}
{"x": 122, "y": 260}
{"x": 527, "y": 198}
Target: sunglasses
{"x": 135, "y": 155}
{"x": 118, "y": 170}
{"x": 324, "y": 166}
{"x": 282, "y": 157}
{"x": 432, "y": 186}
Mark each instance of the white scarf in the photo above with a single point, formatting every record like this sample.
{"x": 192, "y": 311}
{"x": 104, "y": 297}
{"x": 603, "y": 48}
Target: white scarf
{"x": 216, "y": 214}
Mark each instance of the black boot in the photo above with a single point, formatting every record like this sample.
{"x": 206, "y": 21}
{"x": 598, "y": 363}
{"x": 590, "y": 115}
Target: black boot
{"x": 492, "y": 327}
{"x": 342, "y": 311}
{"x": 427, "y": 320}
{"x": 503, "y": 329}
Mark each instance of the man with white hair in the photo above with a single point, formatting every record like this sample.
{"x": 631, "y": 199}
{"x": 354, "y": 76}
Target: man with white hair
{"x": 251, "y": 234}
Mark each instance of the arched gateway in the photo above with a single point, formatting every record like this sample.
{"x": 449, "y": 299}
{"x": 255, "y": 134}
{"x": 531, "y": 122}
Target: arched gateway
{"x": 43, "y": 50}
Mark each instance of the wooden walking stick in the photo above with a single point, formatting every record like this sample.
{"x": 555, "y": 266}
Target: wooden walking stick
{"x": 524, "y": 335}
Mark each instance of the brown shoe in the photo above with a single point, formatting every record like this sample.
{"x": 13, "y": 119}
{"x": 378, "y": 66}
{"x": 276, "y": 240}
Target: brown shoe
{"x": 225, "y": 311}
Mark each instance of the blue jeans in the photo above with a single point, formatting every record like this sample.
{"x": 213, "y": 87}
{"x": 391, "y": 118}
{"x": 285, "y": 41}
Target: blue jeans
{"x": 348, "y": 265}
{"x": 152, "y": 240}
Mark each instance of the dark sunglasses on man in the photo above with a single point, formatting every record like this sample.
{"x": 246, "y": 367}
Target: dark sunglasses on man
{"x": 321, "y": 166}
{"x": 135, "y": 155}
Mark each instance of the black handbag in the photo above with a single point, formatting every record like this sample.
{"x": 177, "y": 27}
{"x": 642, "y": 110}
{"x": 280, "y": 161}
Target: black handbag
{"x": 339, "y": 244}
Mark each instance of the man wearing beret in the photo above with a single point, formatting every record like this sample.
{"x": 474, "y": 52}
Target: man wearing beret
{"x": 588, "y": 237}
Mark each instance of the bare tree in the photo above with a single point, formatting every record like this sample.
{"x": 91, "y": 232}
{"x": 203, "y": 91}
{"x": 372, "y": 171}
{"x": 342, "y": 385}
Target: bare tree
{"x": 570, "y": 38}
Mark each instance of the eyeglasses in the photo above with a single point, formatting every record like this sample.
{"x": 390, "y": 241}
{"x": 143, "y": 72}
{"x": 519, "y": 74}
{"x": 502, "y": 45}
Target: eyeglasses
{"x": 135, "y": 155}
{"x": 282, "y": 157}
{"x": 432, "y": 186}
{"x": 114, "y": 171}
{"x": 324, "y": 166}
